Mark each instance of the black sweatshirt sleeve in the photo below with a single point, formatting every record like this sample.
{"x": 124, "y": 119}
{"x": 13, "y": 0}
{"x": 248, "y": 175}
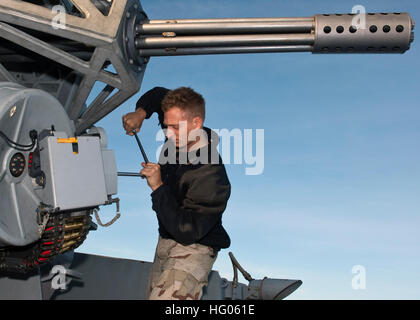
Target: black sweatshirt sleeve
{"x": 151, "y": 102}
{"x": 201, "y": 209}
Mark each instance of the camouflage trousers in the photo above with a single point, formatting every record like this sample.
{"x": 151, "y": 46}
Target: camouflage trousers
{"x": 179, "y": 272}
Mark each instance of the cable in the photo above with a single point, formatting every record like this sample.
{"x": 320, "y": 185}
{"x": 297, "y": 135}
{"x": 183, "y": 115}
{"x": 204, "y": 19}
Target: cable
{"x": 237, "y": 266}
{"x": 18, "y": 146}
{"x": 117, "y": 216}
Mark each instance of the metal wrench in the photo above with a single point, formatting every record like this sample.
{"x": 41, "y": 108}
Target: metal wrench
{"x": 133, "y": 174}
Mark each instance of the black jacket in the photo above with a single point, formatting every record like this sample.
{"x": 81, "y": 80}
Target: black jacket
{"x": 190, "y": 203}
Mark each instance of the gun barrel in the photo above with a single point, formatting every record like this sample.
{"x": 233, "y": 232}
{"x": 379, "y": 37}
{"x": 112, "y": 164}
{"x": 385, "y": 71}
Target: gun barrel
{"x": 221, "y": 50}
{"x": 225, "y": 41}
{"x": 236, "y": 20}
{"x": 228, "y": 27}
{"x": 335, "y": 33}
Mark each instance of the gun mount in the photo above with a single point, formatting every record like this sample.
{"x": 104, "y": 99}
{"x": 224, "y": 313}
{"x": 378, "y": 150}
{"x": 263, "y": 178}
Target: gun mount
{"x": 53, "y": 52}
{"x": 99, "y": 33}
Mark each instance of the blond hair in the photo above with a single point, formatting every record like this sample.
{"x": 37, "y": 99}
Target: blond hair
{"x": 187, "y": 100}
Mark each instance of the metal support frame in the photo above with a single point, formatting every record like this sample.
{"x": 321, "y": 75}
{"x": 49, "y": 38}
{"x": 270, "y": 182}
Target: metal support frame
{"x": 104, "y": 35}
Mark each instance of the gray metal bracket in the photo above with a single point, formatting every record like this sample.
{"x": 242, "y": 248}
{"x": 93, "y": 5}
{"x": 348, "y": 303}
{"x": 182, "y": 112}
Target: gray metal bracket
{"x": 104, "y": 35}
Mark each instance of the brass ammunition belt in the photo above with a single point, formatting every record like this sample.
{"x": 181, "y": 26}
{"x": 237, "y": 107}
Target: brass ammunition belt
{"x": 63, "y": 232}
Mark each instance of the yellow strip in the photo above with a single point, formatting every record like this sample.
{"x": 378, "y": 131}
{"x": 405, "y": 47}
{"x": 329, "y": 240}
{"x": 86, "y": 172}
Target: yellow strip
{"x": 67, "y": 140}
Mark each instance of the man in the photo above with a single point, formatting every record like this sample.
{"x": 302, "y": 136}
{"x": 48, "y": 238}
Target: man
{"x": 188, "y": 196}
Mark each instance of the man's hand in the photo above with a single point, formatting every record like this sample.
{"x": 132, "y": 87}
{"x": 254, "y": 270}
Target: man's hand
{"x": 133, "y": 121}
{"x": 152, "y": 173}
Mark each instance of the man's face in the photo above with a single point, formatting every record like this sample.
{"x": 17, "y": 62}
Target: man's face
{"x": 179, "y": 125}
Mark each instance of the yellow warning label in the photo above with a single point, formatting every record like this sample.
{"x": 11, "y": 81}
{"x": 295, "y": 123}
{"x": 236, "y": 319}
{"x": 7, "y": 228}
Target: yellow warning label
{"x": 67, "y": 140}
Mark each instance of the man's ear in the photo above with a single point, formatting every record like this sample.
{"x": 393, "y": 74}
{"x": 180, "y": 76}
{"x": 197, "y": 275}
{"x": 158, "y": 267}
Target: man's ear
{"x": 197, "y": 122}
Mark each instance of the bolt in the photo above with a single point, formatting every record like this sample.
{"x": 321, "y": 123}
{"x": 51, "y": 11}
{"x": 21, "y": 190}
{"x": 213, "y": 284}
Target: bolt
{"x": 40, "y": 180}
{"x": 12, "y": 111}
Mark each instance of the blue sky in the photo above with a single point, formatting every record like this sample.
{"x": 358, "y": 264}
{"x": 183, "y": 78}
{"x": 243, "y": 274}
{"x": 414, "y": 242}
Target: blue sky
{"x": 341, "y": 176}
